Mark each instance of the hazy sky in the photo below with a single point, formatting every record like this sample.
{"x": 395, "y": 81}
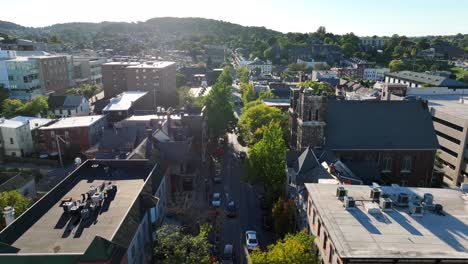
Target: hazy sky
{"x": 363, "y": 17}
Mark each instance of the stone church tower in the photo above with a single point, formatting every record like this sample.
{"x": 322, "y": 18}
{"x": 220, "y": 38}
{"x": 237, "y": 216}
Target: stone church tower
{"x": 307, "y": 114}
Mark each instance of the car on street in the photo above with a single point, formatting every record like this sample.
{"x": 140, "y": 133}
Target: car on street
{"x": 251, "y": 240}
{"x": 242, "y": 155}
{"x": 216, "y": 202}
{"x": 228, "y": 254}
{"x": 231, "y": 209}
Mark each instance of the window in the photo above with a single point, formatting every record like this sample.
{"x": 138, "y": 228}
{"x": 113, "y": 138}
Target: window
{"x": 310, "y": 115}
{"x": 330, "y": 257}
{"x": 11, "y": 141}
{"x": 69, "y": 112}
{"x": 325, "y": 240}
{"x": 67, "y": 134}
{"x": 316, "y": 115}
{"x": 318, "y": 228}
{"x": 61, "y": 112}
{"x": 314, "y": 215}
{"x": 52, "y": 133}
{"x": 387, "y": 164}
{"x": 406, "y": 164}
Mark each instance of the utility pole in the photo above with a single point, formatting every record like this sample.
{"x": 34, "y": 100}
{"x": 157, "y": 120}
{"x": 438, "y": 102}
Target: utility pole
{"x": 57, "y": 137}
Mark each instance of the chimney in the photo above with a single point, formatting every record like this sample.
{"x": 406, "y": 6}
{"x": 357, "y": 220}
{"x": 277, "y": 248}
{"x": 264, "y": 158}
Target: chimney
{"x": 9, "y": 214}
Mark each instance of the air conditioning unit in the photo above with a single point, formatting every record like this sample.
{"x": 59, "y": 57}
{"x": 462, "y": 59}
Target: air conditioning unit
{"x": 375, "y": 193}
{"x": 428, "y": 199}
{"x": 386, "y": 204}
{"x": 402, "y": 199}
{"x": 341, "y": 192}
{"x": 416, "y": 209}
{"x": 349, "y": 202}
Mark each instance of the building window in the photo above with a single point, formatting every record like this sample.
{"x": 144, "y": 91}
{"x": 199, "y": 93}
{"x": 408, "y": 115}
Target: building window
{"x": 387, "y": 164}
{"x": 316, "y": 115}
{"x": 314, "y": 215}
{"x": 69, "y": 112}
{"x": 318, "y": 228}
{"x": 310, "y": 115}
{"x": 52, "y": 133}
{"x": 325, "y": 240}
{"x": 330, "y": 257}
{"x": 406, "y": 164}
{"x": 67, "y": 134}
{"x": 11, "y": 141}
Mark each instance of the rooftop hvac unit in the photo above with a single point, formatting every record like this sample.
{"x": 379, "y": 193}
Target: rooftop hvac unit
{"x": 416, "y": 209}
{"x": 428, "y": 199}
{"x": 341, "y": 192}
{"x": 97, "y": 197}
{"x": 386, "y": 204}
{"x": 67, "y": 206}
{"x": 375, "y": 193}
{"x": 349, "y": 202}
{"x": 402, "y": 199}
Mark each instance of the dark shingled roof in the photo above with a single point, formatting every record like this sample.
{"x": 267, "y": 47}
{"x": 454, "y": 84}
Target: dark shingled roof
{"x": 64, "y": 101}
{"x": 422, "y": 78}
{"x": 361, "y": 125}
{"x": 308, "y": 169}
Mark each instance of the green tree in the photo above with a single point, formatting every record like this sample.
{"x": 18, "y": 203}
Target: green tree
{"x": 255, "y": 119}
{"x": 284, "y": 214}
{"x": 294, "y": 248}
{"x": 396, "y": 65}
{"x": 242, "y": 74}
{"x": 266, "y": 95}
{"x": 225, "y": 78}
{"x": 87, "y": 90}
{"x": 316, "y": 86}
{"x": 35, "y": 107}
{"x": 265, "y": 162}
{"x": 219, "y": 107}
{"x": 173, "y": 246}
{"x": 268, "y": 54}
{"x": 423, "y": 44}
{"x": 180, "y": 80}
{"x": 248, "y": 93}
{"x": 11, "y": 107}
{"x": 15, "y": 200}
{"x": 4, "y": 94}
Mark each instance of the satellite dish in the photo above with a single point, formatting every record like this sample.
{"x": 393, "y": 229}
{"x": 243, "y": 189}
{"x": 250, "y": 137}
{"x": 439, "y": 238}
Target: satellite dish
{"x": 77, "y": 161}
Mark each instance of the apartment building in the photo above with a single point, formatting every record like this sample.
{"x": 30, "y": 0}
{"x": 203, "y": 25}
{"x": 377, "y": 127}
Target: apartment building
{"x": 53, "y": 73}
{"x": 375, "y": 42}
{"x": 375, "y": 74}
{"x": 15, "y": 138}
{"x": 157, "y": 78}
{"x": 74, "y": 134}
{"x": 102, "y": 212}
{"x": 114, "y": 79}
{"x": 387, "y": 224}
{"x": 87, "y": 70}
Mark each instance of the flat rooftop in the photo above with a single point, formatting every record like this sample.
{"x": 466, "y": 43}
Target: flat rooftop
{"x": 76, "y": 121}
{"x": 34, "y": 122}
{"x": 54, "y": 231}
{"x": 124, "y": 101}
{"x": 123, "y": 63}
{"x": 152, "y": 65}
{"x": 10, "y": 123}
{"x": 276, "y": 102}
{"x": 449, "y": 104}
{"x": 355, "y": 233}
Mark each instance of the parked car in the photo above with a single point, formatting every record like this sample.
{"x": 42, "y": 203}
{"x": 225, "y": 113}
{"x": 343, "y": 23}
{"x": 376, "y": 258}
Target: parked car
{"x": 216, "y": 202}
{"x": 251, "y": 240}
{"x": 231, "y": 209}
{"x": 228, "y": 254}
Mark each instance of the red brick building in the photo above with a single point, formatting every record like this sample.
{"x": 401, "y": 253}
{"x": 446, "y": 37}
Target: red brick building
{"x": 75, "y": 134}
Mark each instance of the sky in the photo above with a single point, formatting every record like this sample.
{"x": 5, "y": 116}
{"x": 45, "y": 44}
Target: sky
{"x": 362, "y": 17}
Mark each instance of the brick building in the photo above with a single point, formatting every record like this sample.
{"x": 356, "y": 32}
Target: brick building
{"x": 387, "y": 142}
{"x": 157, "y": 78}
{"x": 53, "y": 71}
{"x": 79, "y": 133}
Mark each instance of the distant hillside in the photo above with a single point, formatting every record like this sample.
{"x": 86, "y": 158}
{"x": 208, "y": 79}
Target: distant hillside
{"x": 157, "y": 32}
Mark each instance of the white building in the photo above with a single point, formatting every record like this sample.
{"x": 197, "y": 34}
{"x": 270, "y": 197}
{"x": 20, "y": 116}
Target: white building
{"x": 376, "y": 42}
{"x": 68, "y": 105}
{"x": 265, "y": 66}
{"x": 16, "y": 139}
{"x": 318, "y": 75}
{"x": 375, "y": 74}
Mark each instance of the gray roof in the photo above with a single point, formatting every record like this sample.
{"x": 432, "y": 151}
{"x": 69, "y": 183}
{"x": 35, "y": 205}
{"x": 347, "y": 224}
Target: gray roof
{"x": 43, "y": 228}
{"x": 65, "y": 101}
{"x": 308, "y": 169}
{"x": 393, "y": 234}
{"x": 422, "y": 78}
{"x": 364, "y": 125}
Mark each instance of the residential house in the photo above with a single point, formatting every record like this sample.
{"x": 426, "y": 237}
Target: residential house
{"x": 16, "y": 138}
{"x": 74, "y": 134}
{"x": 102, "y": 212}
{"x": 34, "y": 124}
{"x": 124, "y": 105}
{"x": 68, "y": 105}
